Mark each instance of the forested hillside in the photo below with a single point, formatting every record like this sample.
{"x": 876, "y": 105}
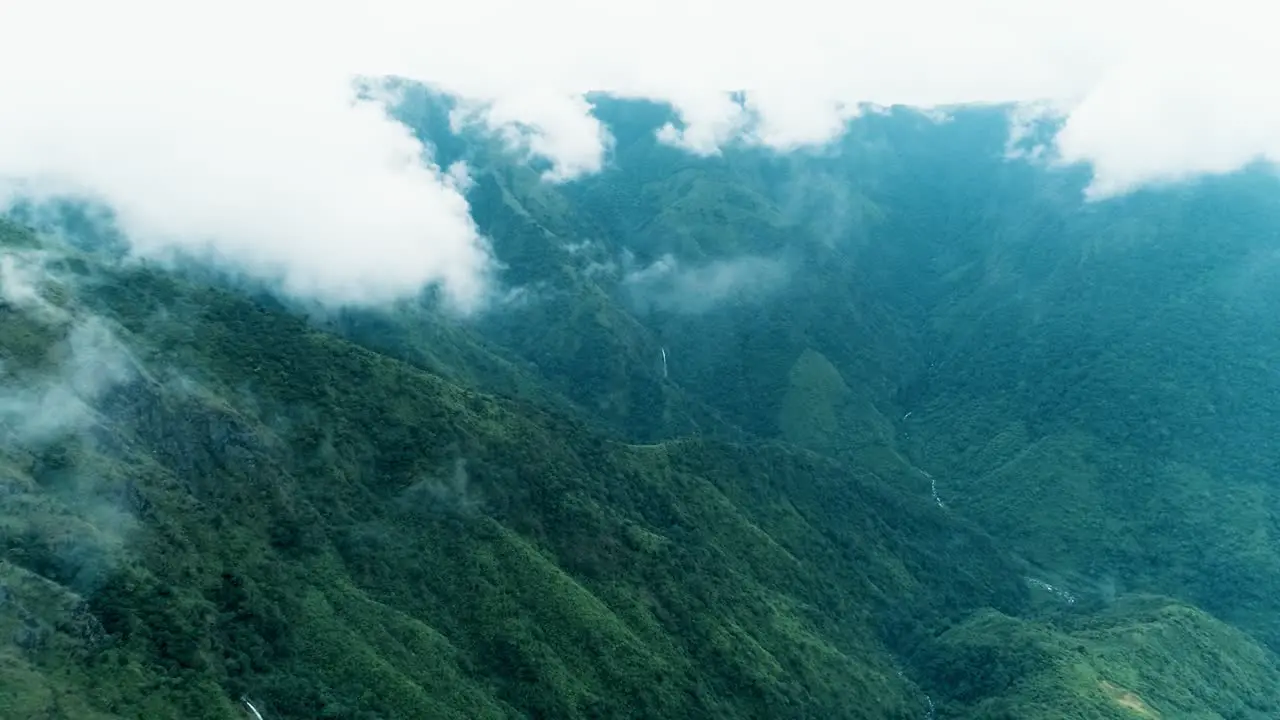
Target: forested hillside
{"x": 901, "y": 428}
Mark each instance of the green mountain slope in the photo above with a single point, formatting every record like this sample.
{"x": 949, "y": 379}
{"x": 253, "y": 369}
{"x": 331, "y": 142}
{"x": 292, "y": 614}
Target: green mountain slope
{"x": 262, "y": 507}
{"x": 674, "y": 474}
{"x": 1104, "y": 666}
{"x": 1094, "y": 383}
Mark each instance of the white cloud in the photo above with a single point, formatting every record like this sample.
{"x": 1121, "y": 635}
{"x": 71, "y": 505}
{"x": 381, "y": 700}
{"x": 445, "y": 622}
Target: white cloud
{"x": 210, "y": 133}
{"x": 1190, "y": 101}
{"x": 37, "y": 410}
{"x": 229, "y": 127}
{"x": 552, "y": 126}
{"x": 19, "y": 282}
{"x": 25, "y": 281}
{"x": 672, "y": 286}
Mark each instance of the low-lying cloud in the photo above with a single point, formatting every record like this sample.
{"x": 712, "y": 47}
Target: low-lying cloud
{"x": 231, "y": 129}
{"x": 670, "y": 285}
{"x": 41, "y": 404}
{"x": 34, "y": 411}
{"x": 71, "y": 527}
{"x": 229, "y": 136}
{"x": 21, "y": 275}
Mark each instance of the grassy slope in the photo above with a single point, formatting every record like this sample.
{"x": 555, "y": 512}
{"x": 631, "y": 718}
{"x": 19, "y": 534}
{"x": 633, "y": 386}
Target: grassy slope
{"x": 337, "y": 533}
{"x": 1145, "y": 657}
{"x": 269, "y": 510}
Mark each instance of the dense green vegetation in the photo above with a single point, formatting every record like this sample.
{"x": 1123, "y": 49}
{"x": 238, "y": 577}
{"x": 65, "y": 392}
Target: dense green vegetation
{"x": 931, "y": 439}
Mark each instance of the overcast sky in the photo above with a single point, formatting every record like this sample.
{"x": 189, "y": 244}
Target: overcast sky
{"x": 229, "y": 126}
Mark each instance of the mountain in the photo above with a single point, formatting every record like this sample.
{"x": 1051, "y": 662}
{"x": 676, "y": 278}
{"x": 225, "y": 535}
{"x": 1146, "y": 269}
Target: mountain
{"x": 903, "y": 428}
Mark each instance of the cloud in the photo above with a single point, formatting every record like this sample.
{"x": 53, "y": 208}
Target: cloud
{"x": 230, "y": 129}
{"x": 92, "y": 361}
{"x": 213, "y": 135}
{"x": 1190, "y": 101}
{"x": 558, "y": 128}
{"x": 83, "y": 359}
{"x": 72, "y": 529}
{"x": 438, "y": 495}
{"x": 20, "y": 279}
{"x": 670, "y": 285}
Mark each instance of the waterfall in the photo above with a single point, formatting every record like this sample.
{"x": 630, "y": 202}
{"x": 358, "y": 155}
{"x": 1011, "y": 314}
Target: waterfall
{"x": 252, "y": 709}
{"x": 933, "y": 487}
{"x": 1062, "y": 594}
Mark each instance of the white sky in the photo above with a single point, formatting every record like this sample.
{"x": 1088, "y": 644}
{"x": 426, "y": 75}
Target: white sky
{"x": 229, "y": 125}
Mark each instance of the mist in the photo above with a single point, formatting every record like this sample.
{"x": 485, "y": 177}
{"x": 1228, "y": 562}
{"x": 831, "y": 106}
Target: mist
{"x": 59, "y": 364}
{"x": 670, "y": 285}
{"x": 89, "y": 362}
{"x": 268, "y": 160}
{"x": 19, "y": 282}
